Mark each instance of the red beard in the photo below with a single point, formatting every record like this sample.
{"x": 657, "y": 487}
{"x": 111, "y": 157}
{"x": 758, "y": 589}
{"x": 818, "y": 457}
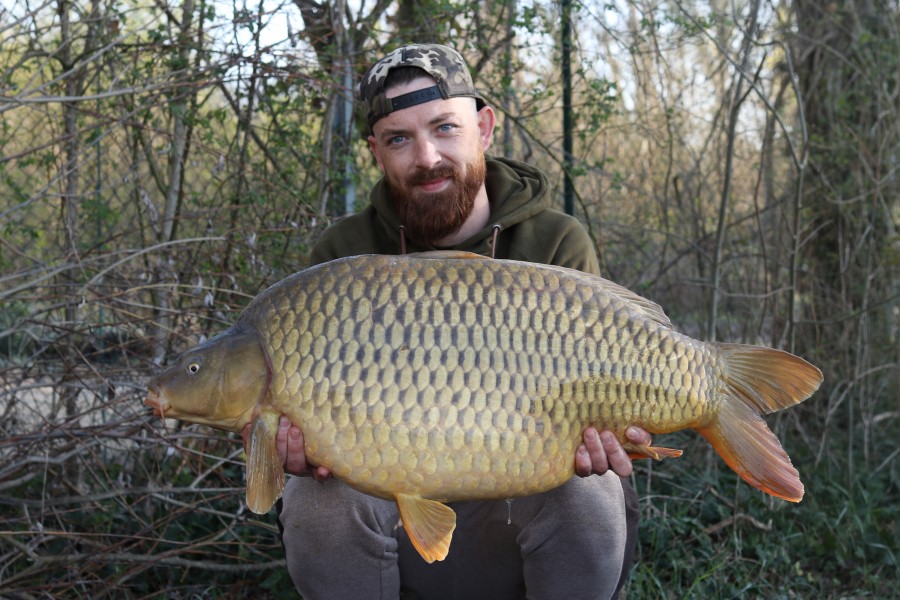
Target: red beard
{"x": 430, "y": 217}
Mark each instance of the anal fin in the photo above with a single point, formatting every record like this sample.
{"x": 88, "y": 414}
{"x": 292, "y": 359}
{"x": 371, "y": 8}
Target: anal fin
{"x": 428, "y": 523}
{"x": 636, "y": 451}
{"x": 265, "y": 472}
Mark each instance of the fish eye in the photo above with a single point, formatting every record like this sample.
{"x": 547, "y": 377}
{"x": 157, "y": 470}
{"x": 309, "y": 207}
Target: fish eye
{"x": 193, "y": 367}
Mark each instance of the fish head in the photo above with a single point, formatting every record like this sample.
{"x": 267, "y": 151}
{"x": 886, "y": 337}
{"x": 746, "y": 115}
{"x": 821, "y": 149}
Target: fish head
{"x": 219, "y": 383}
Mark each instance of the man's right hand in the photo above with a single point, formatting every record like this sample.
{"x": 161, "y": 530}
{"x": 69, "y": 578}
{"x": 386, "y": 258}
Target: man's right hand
{"x": 291, "y": 451}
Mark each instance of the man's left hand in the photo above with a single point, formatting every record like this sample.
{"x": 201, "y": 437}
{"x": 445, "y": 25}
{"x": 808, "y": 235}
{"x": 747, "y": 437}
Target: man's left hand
{"x": 601, "y": 452}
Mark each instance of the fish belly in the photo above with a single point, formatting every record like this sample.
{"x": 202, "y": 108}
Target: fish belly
{"x": 462, "y": 379}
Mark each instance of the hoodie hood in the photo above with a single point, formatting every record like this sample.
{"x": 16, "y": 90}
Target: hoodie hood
{"x": 523, "y": 226}
{"x": 516, "y": 192}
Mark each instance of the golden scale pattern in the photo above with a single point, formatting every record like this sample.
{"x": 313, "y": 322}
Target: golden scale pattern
{"x": 477, "y": 373}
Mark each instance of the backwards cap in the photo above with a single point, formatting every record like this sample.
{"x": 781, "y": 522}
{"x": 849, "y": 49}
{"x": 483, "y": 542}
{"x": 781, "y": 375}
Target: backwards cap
{"x": 442, "y": 63}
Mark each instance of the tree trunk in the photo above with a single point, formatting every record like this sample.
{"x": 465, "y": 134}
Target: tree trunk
{"x": 74, "y": 74}
{"x": 848, "y": 59}
{"x": 736, "y": 99}
{"x": 178, "y": 109}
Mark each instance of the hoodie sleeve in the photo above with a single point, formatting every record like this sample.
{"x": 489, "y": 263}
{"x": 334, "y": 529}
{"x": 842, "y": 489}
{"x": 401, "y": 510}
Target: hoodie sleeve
{"x": 553, "y": 238}
{"x": 351, "y": 236}
{"x": 576, "y": 251}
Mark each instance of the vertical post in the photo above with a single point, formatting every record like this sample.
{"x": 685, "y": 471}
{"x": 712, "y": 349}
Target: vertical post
{"x": 508, "y": 74}
{"x": 569, "y": 188}
{"x": 348, "y": 183}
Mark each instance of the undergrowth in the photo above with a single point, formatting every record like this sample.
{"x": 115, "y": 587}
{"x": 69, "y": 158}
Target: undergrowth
{"x": 706, "y": 534}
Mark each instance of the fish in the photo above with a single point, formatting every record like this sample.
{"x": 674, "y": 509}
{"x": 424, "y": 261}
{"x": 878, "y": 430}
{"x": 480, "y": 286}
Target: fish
{"x": 434, "y": 377}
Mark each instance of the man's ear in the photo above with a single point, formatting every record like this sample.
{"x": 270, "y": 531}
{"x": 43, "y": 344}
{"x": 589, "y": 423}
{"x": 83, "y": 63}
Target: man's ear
{"x": 374, "y": 148}
{"x": 486, "y": 122}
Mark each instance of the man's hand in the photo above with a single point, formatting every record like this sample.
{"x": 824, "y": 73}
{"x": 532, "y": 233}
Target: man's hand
{"x": 601, "y": 451}
{"x": 291, "y": 451}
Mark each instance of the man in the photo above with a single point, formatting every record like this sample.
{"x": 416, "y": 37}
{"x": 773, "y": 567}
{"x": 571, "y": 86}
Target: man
{"x": 429, "y": 131}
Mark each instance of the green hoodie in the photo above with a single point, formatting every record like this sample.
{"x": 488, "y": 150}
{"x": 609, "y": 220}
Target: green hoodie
{"x": 530, "y": 230}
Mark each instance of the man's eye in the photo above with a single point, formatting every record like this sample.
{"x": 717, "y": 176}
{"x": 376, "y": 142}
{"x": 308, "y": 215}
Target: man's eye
{"x": 446, "y": 127}
{"x": 397, "y": 139}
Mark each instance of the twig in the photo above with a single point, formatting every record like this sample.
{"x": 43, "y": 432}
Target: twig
{"x": 735, "y": 519}
{"x": 714, "y": 492}
{"x": 67, "y": 500}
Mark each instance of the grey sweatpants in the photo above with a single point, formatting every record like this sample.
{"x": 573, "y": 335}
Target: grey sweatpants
{"x": 573, "y": 542}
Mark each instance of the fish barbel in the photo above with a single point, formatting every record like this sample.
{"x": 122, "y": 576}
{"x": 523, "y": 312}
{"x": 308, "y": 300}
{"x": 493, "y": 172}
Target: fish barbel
{"x": 449, "y": 376}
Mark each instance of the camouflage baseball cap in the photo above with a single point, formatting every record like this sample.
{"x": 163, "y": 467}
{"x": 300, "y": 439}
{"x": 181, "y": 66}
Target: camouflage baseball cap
{"x": 442, "y": 63}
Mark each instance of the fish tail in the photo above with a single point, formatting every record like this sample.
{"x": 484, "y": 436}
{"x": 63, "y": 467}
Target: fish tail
{"x": 759, "y": 381}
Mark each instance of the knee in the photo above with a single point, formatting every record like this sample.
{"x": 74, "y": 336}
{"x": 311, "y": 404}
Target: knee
{"x": 576, "y": 539}
{"x": 590, "y": 498}
{"x": 338, "y": 543}
{"x": 591, "y": 510}
{"x": 331, "y": 514}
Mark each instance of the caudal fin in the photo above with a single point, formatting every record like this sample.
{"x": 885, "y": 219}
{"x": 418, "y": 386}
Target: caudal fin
{"x": 759, "y": 381}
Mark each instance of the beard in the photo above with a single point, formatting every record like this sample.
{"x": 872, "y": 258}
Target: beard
{"x": 432, "y": 216}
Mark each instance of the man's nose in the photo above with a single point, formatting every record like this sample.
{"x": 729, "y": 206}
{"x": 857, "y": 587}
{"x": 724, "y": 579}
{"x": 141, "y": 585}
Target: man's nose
{"x": 427, "y": 155}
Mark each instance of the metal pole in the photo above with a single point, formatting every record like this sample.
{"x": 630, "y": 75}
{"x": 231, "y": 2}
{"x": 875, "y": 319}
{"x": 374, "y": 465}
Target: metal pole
{"x": 569, "y": 187}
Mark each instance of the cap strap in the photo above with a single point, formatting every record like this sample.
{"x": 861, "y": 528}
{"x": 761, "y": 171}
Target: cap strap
{"x": 417, "y": 97}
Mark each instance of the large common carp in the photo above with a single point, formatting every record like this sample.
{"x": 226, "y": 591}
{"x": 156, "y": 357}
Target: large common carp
{"x": 449, "y": 376}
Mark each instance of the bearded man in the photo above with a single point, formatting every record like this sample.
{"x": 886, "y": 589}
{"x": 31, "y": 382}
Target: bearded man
{"x": 429, "y": 132}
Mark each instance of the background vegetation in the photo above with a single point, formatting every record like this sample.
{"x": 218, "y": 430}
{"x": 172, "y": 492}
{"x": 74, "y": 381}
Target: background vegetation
{"x": 162, "y": 162}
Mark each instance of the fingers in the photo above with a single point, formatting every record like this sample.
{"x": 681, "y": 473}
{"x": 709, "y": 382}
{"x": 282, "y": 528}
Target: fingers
{"x": 591, "y": 457}
{"x": 321, "y": 473}
{"x": 281, "y": 439}
{"x": 583, "y": 467}
{"x": 291, "y": 450}
{"x": 615, "y": 454}
{"x": 296, "y": 456}
{"x": 638, "y": 436}
{"x": 602, "y": 451}
{"x": 245, "y": 435}
{"x": 289, "y": 445}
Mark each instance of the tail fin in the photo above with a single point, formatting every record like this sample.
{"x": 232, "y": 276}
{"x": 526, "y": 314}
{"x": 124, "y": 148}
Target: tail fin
{"x": 759, "y": 381}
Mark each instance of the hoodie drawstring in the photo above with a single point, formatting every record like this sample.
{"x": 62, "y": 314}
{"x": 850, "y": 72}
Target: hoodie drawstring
{"x": 495, "y": 231}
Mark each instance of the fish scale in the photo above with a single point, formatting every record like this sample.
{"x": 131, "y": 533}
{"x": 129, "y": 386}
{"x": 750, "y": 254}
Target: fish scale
{"x": 412, "y": 325}
{"x": 448, "y": 376}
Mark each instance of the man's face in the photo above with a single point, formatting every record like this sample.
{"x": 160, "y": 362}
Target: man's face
{"x": 432, "y": 157}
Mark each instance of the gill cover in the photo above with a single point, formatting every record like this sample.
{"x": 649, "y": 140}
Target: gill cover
{"x": 218, "y": 383}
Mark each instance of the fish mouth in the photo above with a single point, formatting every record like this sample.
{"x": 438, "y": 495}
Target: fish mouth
{"x": 158, "y": 405}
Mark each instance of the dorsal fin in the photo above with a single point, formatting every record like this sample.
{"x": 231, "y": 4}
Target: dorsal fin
{"x": 648, "y": 308}
{"x": 461, "y": 254}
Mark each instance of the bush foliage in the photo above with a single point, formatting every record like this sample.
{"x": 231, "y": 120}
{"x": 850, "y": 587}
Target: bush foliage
{"x": 160, "y": 164}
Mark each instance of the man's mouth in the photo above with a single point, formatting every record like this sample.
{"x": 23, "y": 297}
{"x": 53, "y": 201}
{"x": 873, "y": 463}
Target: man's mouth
{"x": 435, "y": 185}
{"x": 433, "y": 180}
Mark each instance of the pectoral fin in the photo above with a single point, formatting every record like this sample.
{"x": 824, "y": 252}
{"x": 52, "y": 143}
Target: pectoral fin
{"x": 265, "y": 473}
{"x": 429, "y": 524}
